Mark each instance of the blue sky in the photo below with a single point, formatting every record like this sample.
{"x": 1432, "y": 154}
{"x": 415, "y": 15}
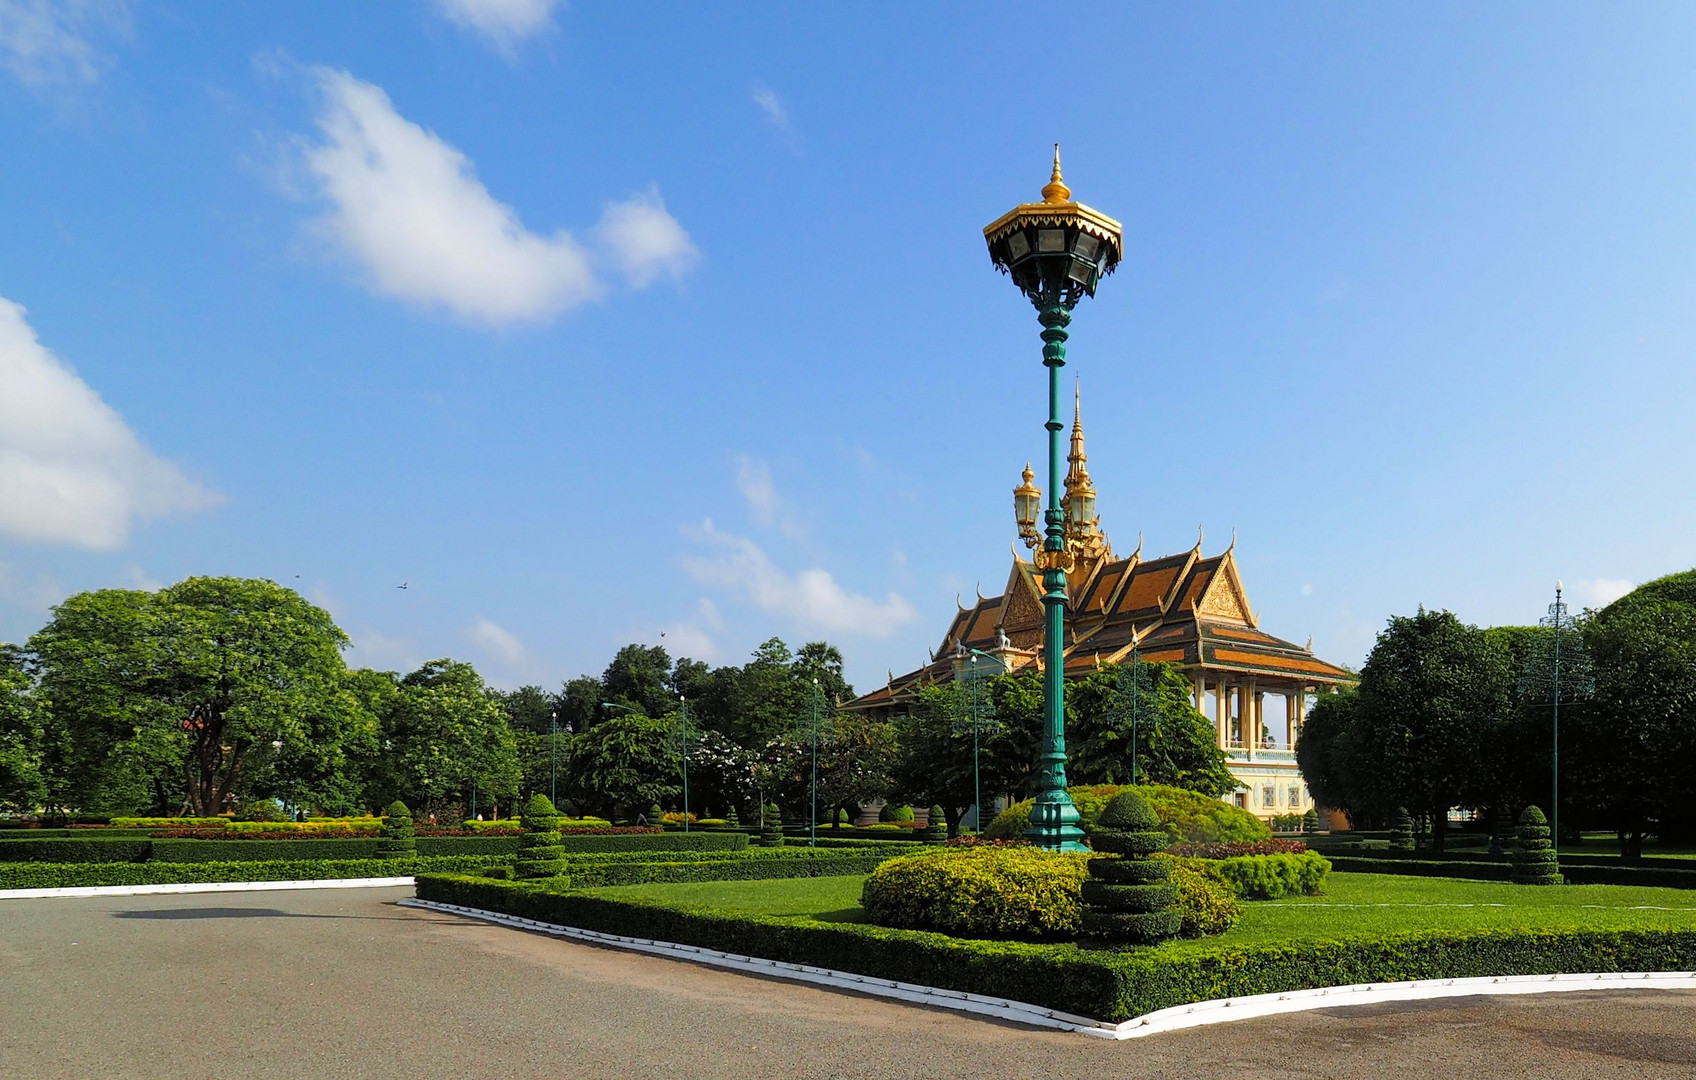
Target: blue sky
{"x": 595, "y": 321}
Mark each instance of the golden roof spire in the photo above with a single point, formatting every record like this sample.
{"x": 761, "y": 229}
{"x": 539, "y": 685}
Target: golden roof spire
{"x": 1056, "y": 191}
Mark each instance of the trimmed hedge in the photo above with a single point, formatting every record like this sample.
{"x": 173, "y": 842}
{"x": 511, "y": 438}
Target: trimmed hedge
{"x": 1273, "y": 877}
{"x": 1011, "y": 892}
{"x": 72, "y": 848}
{"x": 78, "y": 875}
{"x": 798, "y": 863}
{"x": 1105, "y": 984}
{"x": 1185, "y": 815}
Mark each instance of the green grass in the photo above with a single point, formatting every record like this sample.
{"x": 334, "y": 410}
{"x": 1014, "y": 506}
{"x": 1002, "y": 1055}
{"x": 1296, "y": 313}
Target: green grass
{"x": 1352, "y": 904}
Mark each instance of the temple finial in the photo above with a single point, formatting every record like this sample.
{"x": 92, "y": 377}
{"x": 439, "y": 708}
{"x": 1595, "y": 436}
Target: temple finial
{"x": 1056, "y": 190}
{"x": 1200, "y": 534}
{"x": 1233, "y": 546}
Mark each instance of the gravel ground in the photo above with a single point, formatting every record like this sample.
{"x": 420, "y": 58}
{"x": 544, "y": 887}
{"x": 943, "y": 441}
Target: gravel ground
{"x": 344, "y": 983}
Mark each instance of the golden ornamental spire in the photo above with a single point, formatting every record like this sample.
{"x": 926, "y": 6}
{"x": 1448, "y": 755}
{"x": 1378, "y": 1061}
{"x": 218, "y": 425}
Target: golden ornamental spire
{"x": 1056, "y": 191}
{"x": 1083, "y": 524}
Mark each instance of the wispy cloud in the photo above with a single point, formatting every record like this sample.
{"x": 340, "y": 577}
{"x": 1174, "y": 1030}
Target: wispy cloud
{"x": 502, "y": 23}
{"x": 811, "y": 598}
{"x": 500, "y": 643}
{"x": 777, "y": 114}
{"x": 765, "y": 505}
{"x": 49, "y": 43}
{"x": 696, "y": 637}
{"x": 71, "y": 471}
{"x": 410, "y": 210}
{"x": 1600, "y": 592}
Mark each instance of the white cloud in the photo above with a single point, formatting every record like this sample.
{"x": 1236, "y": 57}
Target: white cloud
{"x": 374, "y": 650}
{"x": 141, "y": 579}
{"x": 694, "y": 638}
{"x": 498, "y": 642}
{"x": 777, "y": 114}
{"x": 71, "y": 471}
{"x": 409, "y": 208}
{"x": 34, "y": 596}
{"x": 46, "y": 42}
{"x": 503, "y": 22}
{"x": 812, "y": 598}
{"x": 644, "y": 241}
{"x": 1600, "y": 592}
{"x": 765, "y": 505}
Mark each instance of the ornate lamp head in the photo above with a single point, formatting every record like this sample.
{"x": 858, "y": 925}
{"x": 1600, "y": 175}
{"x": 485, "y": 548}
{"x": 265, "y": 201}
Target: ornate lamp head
{"x": 1027, "y": 503}
{"x": 1056, "y": 250}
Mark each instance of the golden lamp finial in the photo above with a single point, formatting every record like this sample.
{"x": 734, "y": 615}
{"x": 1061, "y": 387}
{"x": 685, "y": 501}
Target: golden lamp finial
{"x": 1056, "y": 191}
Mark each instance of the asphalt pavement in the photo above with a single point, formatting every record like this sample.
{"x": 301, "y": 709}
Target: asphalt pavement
{"x": 336, "y": 983}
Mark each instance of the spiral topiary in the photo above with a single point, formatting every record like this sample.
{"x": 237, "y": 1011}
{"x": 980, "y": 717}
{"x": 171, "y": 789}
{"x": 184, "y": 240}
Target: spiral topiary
{"x": 936, "y": 827}
{"x": 656, "y": 816}
{"x": 540, "y": 854}
{"x": 732, "y": 823}
{"x": 1534, "y": 860}
{"x": 397, "y": 840}
{"x": 1128, "y": 895}
{"x": 771, "y": 829}
{"x": 1310, "y": 821}
{"x": 1401, "y": 832}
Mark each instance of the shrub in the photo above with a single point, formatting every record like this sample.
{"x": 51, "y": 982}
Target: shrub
{"x": 1286, "y": 822}
{"x": 936, "y": 827}
{"x": 1401, "y": 831}
{"x": 893, "y": 813}
{"x": 1128, "y": 896}
{"x": 655, "y": 815}
{"x": 540, "y": 854}
{"x": 1534, "y": 861}
{"x": 261, "y": 810}
{"x": 979, "y": 892}
{"x": 1230, "y": 851}
{"x": 397, "y": 841}
{"x": 83, "y": 875}
{"x": 771, "y": 828}
{"x": 731, "y": 820}
{"x": 1310, "y": 821}
{"x": 1206, "y": 902}
{"x": 1272, "y": 877}
{"x": 1185, "y": 815}
{"x": 90, "y": 849}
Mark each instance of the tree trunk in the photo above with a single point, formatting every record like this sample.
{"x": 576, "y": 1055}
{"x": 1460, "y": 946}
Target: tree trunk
{"x": 1439, "y": 826}
{"x": 953, "y": 815}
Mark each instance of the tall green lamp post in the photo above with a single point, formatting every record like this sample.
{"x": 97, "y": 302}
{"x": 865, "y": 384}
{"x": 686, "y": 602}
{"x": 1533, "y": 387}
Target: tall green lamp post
{"x": 1056, "y": 251}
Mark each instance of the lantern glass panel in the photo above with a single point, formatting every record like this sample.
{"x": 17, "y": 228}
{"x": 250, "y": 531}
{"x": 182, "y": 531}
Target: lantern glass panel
{"x": 1051, "y": 240}
{"x": 1086, "y": 247}
{"x": 1018, "y": 246}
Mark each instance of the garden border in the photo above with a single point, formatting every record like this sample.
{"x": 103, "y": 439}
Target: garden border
{"x": 1176, "y": 1018}
{"x": 202, "y": 886}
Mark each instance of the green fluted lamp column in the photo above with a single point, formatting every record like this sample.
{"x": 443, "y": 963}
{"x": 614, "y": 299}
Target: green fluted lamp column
{"x": 1056, "y": 251}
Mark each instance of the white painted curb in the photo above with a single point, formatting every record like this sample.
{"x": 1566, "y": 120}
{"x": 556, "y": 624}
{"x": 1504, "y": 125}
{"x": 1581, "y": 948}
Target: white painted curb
{"x": 204, "y": 886}
{"x": 1173, "y": 1019}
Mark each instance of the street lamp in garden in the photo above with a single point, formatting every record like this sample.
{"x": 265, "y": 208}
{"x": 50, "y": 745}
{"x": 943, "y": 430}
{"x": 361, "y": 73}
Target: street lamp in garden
{"x": 553, "y": 759}
{"x": 977, "y": 723}
{"x": 813, "y": 801}
{"x": 1056, "y": 251}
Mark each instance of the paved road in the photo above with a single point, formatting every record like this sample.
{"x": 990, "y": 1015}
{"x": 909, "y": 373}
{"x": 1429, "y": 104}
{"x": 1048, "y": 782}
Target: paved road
{"x": 343, "y": 983}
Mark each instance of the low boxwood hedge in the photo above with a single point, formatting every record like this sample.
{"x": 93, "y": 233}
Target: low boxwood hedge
{"x": 34, "y": 875}
{"x": 1582, "y": 874}
{"x": 801, "y": 863}
{"x": 1109, "y": 985}
{"x": 72, "y": 848}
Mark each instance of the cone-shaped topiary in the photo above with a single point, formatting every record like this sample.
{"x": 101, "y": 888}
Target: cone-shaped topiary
{"x": 656, "y": 816}
{"x": 936, "y": 827}
{"x": 771, "y": 829}
{"x": 1534, "y": 861}
{"x": 1401, "y": 831}
{"x": 397, "y": 839}
{"x": 540, "y": 854}
{"x": 731, "y": 821}
{"x": 1310, "y": 821}
{"x": 1128, "y": 896}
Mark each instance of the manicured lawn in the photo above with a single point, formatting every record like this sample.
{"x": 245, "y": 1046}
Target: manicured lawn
{"x": 1352, "y": 904}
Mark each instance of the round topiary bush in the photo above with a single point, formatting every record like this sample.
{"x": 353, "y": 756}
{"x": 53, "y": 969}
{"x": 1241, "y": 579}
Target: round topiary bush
{"x": 1128, "y": 897}
{"x": 936, "y": 827}
{"x": 1011, "y": 892}
{"x": 397, "y": 840}
{"x": 892, "y": 814}
{"x": 1534, "y": 860}
{"x": 771, "y": 829}
{"x": 540, "y": 854}
{"x": 1401, "y": 831}
{"x": 1187, "y": 816}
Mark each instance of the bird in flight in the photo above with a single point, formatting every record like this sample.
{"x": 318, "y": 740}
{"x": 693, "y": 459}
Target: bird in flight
{"x": 402, "y": 585}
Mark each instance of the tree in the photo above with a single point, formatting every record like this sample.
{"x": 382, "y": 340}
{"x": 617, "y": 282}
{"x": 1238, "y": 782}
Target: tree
{"x": 201, "y": 679}
{"x": 640, "y": 676}
{"x": 820, "y": 662}
{"x": 529, "y": 708}
{"x": 626, "y": 761}
{"x": 1176, "y": 745}
{"x": 769, "y": 697}
{"x": 856, "y": 757}
{"x": 21, "y": 785}
{"x": 446, "y": 735}
{"x": 579, "y": 703}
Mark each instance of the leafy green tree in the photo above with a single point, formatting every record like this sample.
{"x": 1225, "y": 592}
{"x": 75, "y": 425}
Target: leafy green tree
{"x": 934, "y": 759}
{"x": 21, "y": 785}
{"x": 203, "y": 678}
{"x": 856, "y": 758}
{"x": 640, "y": 676}
{"x": 579, "y": 703}
{"x": 1336, "y": 759}
{"x": 821, "y": 662}
{"x": 445, "y": 734}
{"x": 529, "y": 708}
{"x": 626, "y": 761}
{"x": 1176, "y": 745}
{"x": 721, "y": 774}
{"x": 769, "y": 696}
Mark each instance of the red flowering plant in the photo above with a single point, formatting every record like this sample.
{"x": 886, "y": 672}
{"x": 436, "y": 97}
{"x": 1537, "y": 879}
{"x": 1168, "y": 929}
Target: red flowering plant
{"x": 981, "y": 842}
{"x": 1231, "y": 851}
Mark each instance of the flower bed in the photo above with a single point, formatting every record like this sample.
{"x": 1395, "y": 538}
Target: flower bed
{"x": 1231, "y": 851}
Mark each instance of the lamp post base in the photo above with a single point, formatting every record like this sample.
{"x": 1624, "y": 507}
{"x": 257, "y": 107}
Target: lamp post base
{"x": 1054, "y": 823}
